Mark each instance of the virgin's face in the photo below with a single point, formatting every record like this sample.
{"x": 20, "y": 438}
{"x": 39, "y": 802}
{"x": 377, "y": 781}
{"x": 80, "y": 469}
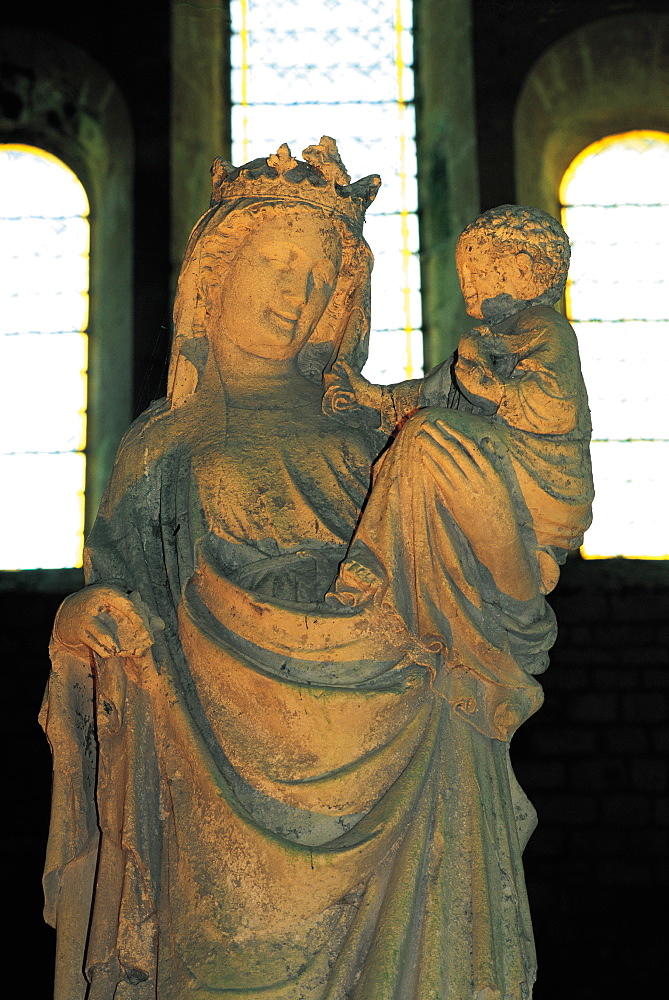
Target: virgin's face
{"x": 278, "y": 286}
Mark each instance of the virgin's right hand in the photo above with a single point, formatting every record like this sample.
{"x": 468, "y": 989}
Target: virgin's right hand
{"x": 105, "y": 620}
{"x": 365, "y": 393}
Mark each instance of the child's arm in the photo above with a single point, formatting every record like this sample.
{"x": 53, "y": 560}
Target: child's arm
{"x": 475, "y": 372}
{"x": 545, "y": 392}
{"x": 347, "y": 389}
{"x": 530, "y": 371}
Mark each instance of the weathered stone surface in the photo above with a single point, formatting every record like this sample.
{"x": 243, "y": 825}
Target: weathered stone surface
{"x": 607, "y": 76}
{"x": 281, "y": 708}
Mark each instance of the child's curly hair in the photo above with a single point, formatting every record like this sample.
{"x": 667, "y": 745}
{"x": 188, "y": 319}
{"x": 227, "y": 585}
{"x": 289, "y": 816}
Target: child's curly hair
{"x": 514, "y": 229}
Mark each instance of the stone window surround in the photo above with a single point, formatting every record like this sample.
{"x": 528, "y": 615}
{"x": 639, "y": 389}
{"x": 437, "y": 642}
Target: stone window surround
{"x": 610, "y": 76}
{"x": 55, "y": 97}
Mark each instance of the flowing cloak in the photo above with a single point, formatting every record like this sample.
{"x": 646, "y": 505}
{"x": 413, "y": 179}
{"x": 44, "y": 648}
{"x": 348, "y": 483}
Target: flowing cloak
{"x": 283, "y": 800}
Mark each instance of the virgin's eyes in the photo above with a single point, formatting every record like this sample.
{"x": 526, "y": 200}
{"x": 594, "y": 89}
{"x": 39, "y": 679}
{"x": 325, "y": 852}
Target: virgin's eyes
{"x": 323, "y": 273}
{"x": 291, "y": 263}
{"x": 276, "y": 260}
{"x": 320, "y": 276}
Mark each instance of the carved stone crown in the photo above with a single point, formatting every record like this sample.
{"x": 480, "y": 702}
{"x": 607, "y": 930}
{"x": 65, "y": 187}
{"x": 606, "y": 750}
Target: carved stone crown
{"x": 320, "y": 180}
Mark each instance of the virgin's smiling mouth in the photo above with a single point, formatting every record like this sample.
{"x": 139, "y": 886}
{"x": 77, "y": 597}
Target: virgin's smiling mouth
{"x": 287, "y": 320}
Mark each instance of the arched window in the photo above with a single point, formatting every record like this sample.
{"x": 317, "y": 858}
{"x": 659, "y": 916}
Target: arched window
{"x": 44, "y": 242}
{"x": 74, "y": 118}
{"x": 304, "y": 67}
{"x": 615, "y": 207}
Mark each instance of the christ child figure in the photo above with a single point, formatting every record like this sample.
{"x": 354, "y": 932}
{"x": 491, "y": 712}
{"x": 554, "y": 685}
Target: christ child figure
{"x": 518, "y": 374}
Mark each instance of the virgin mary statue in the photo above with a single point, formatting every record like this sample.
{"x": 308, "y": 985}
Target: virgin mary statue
{"x": 281, "y": 769}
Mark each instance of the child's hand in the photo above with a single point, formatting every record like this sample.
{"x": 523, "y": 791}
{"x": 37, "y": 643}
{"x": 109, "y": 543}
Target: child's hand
{"x": 348, "y": 389}
{"x": 474, "y": 372}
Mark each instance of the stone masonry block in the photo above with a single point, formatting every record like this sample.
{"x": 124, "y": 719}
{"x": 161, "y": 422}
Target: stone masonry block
{"x": 626, "y": 809}
{"x": 627, "y": 740}
{"x": 595, "y": 707}
{"x": 608, "y": 678}
{"x": 648, "y": 708}
{"x": 566, "y": 810}
{"x": 650, "y": 774}
{"x": 560, "y": 741}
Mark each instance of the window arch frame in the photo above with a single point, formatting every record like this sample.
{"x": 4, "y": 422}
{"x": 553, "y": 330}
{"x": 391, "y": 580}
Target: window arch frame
{"x": 577, "y": 94}
{"x": 59, "y": 99}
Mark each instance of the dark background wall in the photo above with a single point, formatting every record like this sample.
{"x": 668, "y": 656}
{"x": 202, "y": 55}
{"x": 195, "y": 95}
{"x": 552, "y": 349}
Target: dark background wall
{"x": 593, "y": 760}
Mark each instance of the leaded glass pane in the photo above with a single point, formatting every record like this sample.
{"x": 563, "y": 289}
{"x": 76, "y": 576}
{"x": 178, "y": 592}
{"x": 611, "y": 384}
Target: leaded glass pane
{"x": 306, "y": 68}
{"x": 630, "y": 508}
{"x": 624, "y": 299}
{"x": 395, "y": 298}
{"x": 49, "y": 273}
{"x": 43, "y": 500}
{"x": 391, "y": 352}
{"x": 356, "y": 65}
{"x": 40, "y": 412}
{"x": 624, "y": 366}
{"x": 23, "y": 313}
{"x": 44, "y": 243}
{"x": 625, "y": 248}
{"x": 22, "y": 237}
{"x": 627, "y": 169}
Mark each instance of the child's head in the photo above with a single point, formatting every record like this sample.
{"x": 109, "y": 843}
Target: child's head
{"x": 511, "y": 256}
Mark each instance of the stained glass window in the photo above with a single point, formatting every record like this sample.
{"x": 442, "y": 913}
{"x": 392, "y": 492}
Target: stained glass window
{"x": 615, "y": 198}
{"x": 44, "y": 238}
{"x": 306, "y": 68}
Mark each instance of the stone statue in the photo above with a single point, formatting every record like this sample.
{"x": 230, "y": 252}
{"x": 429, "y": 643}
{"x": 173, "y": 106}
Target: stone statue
{"x": 281, "y": 708}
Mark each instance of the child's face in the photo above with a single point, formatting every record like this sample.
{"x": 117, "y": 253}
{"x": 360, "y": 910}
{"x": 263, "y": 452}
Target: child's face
{"x": 485, "y": 273}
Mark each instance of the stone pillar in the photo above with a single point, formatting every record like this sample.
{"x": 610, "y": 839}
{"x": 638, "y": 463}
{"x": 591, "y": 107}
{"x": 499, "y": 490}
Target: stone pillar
{"x": 447, "y": 163}
{"x": 200, "y": 110}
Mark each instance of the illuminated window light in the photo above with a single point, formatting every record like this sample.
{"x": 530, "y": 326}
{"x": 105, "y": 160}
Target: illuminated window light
{"x": 306, "y": 68}
{"x": 615, "y": 198}
{"x": 44, "y": 241}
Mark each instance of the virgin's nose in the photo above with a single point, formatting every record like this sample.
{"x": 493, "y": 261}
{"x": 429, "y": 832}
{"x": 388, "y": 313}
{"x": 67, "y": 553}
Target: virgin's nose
{"x": 295, "y": 287}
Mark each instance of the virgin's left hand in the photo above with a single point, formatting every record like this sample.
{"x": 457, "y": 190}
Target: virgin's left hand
{"x": 479, "y": 500}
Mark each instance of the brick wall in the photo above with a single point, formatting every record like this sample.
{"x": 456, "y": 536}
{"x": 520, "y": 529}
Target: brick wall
{"x": 594, "y": 762}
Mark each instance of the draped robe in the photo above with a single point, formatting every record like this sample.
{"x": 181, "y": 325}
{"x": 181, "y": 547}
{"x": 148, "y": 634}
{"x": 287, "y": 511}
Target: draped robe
{"x": 284, "y": 799}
